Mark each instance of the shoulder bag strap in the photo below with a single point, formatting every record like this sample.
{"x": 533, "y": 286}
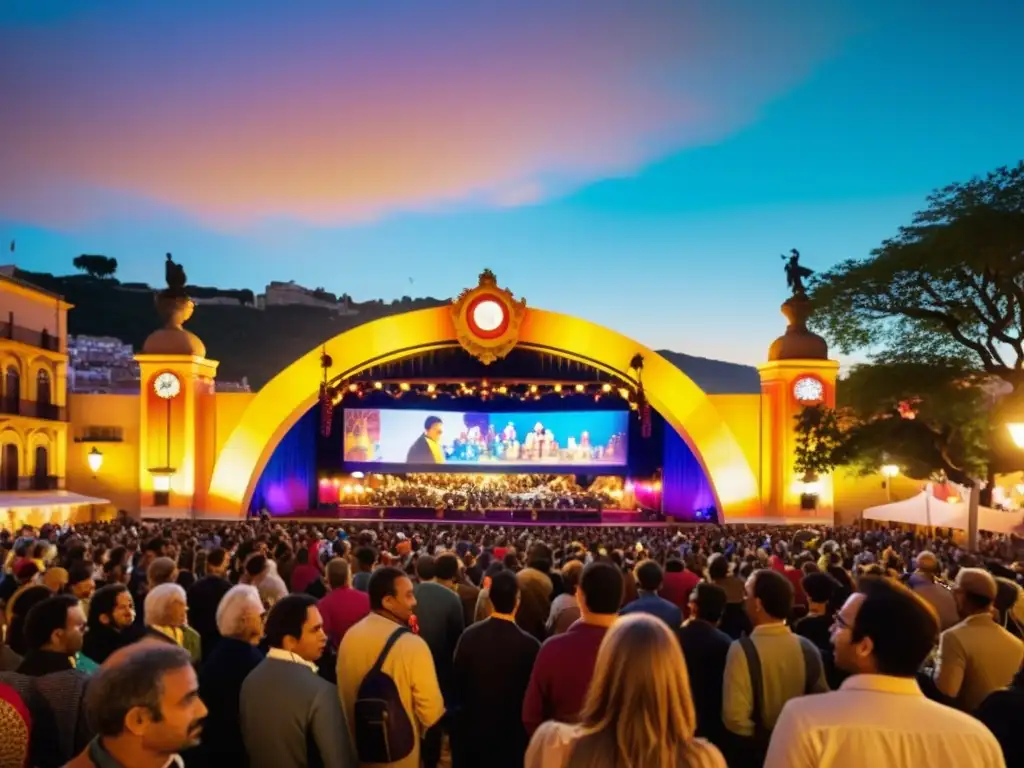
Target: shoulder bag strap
{"x": 756, "y": 685}
{"x": 812, "y": 670}
{"x": 387, "y": 648}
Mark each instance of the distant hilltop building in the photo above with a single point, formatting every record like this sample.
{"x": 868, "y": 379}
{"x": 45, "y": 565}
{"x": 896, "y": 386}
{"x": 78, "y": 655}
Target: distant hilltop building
{"x": 106, "y": 365}
{"x": 280, "y": 294}
{"x": 234, "y": 386}
{"x": 101, "y": 364}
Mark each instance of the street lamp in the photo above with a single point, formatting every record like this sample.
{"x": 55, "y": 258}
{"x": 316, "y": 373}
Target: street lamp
{"x": 95, "y": 459}
{"x": 1016, "y": 429}
{"x": 810, "y": 490}
{"x": 889, "y": 471}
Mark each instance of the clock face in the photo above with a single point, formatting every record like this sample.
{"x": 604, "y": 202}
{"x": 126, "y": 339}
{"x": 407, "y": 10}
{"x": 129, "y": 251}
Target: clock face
{"x": 167, "y": 385}
{"x": 808, "y": 389}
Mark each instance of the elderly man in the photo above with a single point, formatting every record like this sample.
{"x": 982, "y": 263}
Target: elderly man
{"x": 167, "y": 619}
{"x": 237, "y": 653}
{"x": 923, "y": 582}
{"x": 977, "y": 656}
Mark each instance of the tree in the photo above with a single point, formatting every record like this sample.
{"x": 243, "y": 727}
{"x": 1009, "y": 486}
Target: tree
{"x": 95, "y": 265}
{"x": 950, "y": 286}
{"x": 818, "y": 441}
{"x": 928, "y": 419}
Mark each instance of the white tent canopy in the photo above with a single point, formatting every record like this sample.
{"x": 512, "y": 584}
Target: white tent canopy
{"x": 36, "y": 499}
{"x": 925, "y": 509}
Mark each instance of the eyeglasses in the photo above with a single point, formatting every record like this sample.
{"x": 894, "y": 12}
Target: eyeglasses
{"x": 839, "y": 621}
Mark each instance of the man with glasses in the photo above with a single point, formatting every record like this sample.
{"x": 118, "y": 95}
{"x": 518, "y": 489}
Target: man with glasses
{"x": 879, "y": 716}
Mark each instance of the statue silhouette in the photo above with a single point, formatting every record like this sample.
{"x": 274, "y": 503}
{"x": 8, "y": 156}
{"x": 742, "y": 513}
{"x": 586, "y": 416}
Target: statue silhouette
{"x": 796, "y": 274}
{"x": 174, "y": 274}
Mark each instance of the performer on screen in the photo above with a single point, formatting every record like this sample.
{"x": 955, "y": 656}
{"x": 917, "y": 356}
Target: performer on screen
{"x": 427, "y": 448}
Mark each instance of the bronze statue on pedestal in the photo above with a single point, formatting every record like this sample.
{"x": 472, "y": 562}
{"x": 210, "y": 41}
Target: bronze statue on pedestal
{"x": 796, "y": 274}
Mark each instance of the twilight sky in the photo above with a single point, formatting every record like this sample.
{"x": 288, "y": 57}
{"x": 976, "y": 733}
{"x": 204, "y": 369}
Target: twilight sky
{"x": 641, "y": 164}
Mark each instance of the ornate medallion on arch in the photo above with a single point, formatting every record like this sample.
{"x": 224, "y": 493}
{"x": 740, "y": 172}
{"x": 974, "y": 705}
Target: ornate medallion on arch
{"x": 487, "y": 319}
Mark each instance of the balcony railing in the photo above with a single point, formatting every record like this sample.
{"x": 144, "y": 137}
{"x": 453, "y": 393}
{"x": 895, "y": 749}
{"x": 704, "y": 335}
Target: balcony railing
{"x": 41, "y": 339}
{"x": 31, "y": 408}
{"x": 45, "y": 482}
{"x": 31, "y": 483}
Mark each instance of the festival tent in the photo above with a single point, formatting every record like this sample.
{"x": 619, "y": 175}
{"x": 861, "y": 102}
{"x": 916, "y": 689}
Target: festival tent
{"x": 925, "y": 509}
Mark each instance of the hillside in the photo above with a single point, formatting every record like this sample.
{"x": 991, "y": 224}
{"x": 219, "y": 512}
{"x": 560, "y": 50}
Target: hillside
{"x": 260, "y": 343}
{"x": 246, "y": 341}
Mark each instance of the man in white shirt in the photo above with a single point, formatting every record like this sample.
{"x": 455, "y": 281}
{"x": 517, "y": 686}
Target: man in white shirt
{"x": 879, "y": 716}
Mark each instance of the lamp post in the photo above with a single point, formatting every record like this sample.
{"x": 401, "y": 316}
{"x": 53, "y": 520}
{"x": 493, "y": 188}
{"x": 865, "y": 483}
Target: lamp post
{"x": 810, "y": 490}
{"x": 889, "y": 471}
{"x": 95, "y": 459}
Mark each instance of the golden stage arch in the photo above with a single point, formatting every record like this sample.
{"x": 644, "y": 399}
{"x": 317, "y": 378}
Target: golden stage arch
{"x": 283, "y": 401}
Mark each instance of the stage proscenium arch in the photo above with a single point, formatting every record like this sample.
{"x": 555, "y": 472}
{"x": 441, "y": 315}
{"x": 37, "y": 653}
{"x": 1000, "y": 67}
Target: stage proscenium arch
{"x": 279, "y": 404}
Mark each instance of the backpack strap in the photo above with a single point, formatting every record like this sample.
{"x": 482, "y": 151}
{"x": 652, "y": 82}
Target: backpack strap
{"x": 387, "y": 649}
{"x": 756, "y": 686}
{"x": 812, "y": 665}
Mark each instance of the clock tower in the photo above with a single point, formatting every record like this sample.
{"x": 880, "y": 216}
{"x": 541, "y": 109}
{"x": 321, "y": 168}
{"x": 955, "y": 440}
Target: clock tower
{"x": 177, "y": 421}
{"x": 798, "y": 374}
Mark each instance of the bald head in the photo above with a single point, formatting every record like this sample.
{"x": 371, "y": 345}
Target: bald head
{"x": 337, "y": 573}
{"x": 927, "y": 562}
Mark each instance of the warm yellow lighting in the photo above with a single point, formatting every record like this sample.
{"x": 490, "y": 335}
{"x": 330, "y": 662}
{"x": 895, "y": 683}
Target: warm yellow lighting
{"x": 358, "y": 489}
{"x": 1016, "y": 433}
{"x": 890, "y": 470}
{"x": 533, "y": 389}
{"x": 95, "y": 459}
{"x": 657, "y": 487}
{"x": 502, "y": 389}
{"x": 161, "y": 482}
{"x": 404, "y": 386}
{"x": 430, "y": 387}
{"x": 1020, "y": 488}
{"x": 281, "y": 402}
{"x": 579, "y": 387}
{"x": 347, "y": 489}
{"x": 558, "y": 387}
{"x": 606, "y": 387}
{"x": 624, "y": 393}
{"x": 810, "y": 486}
{"x": 353, "y": 387}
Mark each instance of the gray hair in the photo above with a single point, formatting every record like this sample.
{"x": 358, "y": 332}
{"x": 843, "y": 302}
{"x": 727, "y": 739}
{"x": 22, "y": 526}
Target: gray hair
{"x": 158, "y": 603}
{"x": 272, "y": 588}
{"x": 134, "y": 680}
{"x": 161, "y": 571}
{"x": 233, "y": 607}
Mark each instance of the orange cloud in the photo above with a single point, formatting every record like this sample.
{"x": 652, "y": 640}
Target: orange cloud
{"x": 329, "y": 120}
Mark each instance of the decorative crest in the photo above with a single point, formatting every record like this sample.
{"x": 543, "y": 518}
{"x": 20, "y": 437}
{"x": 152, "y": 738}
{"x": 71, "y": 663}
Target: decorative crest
{"x": 487, "y": 319}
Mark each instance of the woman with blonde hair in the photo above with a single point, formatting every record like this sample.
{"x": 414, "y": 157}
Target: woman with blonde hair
{"x": 638, "y": 712}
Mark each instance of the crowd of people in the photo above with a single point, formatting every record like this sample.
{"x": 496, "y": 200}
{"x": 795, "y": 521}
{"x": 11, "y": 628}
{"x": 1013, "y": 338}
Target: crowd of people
{"x": 291, "y": 644}
{"x": 482, "y": 492}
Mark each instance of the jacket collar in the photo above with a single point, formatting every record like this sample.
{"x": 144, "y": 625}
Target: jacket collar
{"x": 905, "y": 686}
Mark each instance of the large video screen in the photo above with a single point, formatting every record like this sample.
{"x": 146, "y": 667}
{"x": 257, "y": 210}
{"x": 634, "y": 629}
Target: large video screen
{"x": 423, "y": 440}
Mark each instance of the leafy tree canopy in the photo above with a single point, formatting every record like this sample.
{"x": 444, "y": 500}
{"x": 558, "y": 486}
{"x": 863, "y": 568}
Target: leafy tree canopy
{"x": 950, "y": 286}
{"x": 95, "y": 265}
{"x": 926, "y": 418}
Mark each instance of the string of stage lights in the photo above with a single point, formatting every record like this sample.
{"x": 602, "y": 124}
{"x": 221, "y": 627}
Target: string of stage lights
{"x": 483, "y": 389}
{"x": 332, "y": 393}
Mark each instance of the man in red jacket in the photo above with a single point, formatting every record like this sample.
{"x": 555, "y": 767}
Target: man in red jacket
{"x": 565, "y": 664}
{"x": 679, "y": 584}
{"x": 343, "y": 606}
